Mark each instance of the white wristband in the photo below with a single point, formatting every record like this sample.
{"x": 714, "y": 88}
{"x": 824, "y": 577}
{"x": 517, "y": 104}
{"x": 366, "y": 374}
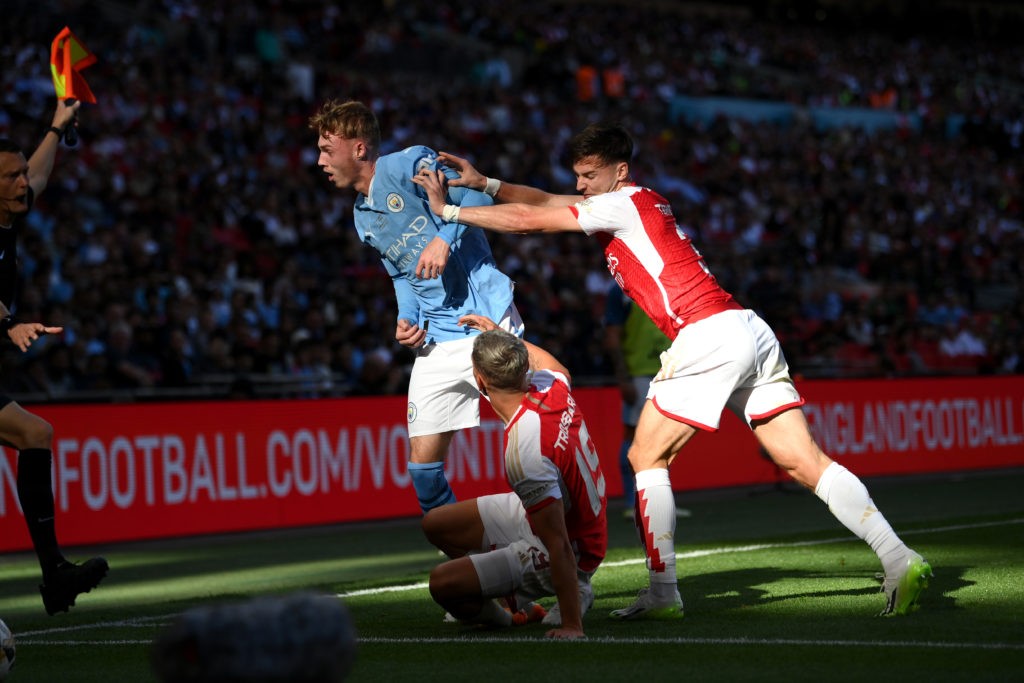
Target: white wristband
{"x": 492, "y": 187}
{"x": 450, "y": 213}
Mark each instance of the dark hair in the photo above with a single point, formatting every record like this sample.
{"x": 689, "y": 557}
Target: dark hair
{"x": 8, "y": 145}
{"x": 609, "y": 143}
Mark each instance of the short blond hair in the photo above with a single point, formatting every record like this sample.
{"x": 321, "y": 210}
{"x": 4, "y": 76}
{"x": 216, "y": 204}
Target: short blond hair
{"x": 349, "y": 120}
{"x": 502, "y": 359}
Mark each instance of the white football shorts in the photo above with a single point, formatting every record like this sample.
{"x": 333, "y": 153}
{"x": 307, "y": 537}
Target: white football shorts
{"x": 443, "y": 396}
{"x": 512, "y": 558}
{"x": 731, "y": 359}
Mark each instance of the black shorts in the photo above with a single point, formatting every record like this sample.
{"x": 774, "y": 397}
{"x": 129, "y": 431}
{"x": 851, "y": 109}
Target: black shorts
{"x": 4, "y": 400}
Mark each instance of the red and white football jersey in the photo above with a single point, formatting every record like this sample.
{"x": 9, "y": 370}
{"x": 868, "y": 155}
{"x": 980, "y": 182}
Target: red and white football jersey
{"x": 549, "y": 456}
{"x": 651, "y": 258}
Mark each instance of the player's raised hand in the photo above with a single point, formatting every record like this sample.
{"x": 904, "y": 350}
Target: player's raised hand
{"x": 434, "y": 184}
{"x": 468, "y": 175}
{"x": 408, "y": 334}
{"x": 478, "y": 322}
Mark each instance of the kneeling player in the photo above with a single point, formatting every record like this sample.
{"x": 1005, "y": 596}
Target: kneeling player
{"x": 548, "y": 537}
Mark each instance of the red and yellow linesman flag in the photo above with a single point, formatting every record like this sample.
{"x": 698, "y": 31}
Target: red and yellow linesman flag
{"x": 67, "y": 58}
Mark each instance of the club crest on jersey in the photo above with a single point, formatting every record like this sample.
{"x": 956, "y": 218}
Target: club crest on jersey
{"x": 395, "y": 202}
{"x": 411, "y": 412}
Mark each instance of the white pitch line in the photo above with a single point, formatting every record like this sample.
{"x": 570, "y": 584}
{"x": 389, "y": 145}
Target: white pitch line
{"x": 140, "y": 622}
{"x": 384, "y": 589}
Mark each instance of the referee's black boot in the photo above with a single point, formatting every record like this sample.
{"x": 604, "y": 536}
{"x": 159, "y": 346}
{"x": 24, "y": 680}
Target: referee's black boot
{"x": 62, "y": 585}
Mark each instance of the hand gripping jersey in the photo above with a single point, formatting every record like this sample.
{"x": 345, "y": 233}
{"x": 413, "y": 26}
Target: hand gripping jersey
{"x": 549, "y": 455}
{"x": 651, "y": 258}
{"x": 395, "y": 219}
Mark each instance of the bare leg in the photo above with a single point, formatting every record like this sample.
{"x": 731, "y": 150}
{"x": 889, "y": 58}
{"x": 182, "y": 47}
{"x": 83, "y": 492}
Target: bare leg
{"x": 455, "y": 529}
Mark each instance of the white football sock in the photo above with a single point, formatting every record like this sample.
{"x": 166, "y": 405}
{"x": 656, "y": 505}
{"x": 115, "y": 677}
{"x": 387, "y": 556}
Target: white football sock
{"x": 850, "y": 502}
{"x": 657, "y": 507}
{"x": 492, "y": 614}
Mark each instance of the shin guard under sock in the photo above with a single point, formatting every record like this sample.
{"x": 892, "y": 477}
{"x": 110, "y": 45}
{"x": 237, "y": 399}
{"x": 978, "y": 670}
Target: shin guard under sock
{"x": 432, "y": 488}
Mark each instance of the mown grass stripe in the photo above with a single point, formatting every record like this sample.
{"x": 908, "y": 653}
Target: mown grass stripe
{"x": 722, "y": 551}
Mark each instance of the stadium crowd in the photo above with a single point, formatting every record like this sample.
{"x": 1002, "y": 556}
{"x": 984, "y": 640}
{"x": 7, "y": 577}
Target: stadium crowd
{"x": 190, "y": 238}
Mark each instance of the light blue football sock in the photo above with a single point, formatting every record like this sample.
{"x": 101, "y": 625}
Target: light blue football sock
{"x": 432, "y": 488}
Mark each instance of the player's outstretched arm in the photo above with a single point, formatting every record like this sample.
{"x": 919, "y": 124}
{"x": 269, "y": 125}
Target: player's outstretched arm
{"x": 542, "y": 360}
{"x": 539, "y": 358}
{"x": 503, "y": 192}
{"x": 516, "y": 218}
{"x": 468, "y": 175}
{"x": 548, "y": 523}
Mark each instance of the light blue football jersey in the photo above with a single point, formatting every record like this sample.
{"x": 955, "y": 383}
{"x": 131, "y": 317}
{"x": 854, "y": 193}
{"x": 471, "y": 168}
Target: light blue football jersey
{"x": 395, "y": 219}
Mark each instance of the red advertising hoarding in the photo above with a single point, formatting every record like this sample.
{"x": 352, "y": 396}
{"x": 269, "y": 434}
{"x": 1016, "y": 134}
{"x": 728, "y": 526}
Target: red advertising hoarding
{"x": 153, "y": 470}
{"x": 126, "y": 472}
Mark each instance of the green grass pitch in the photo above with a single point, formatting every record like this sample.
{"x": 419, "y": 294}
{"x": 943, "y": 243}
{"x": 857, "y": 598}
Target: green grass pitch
{"x": 774, "y": 587}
